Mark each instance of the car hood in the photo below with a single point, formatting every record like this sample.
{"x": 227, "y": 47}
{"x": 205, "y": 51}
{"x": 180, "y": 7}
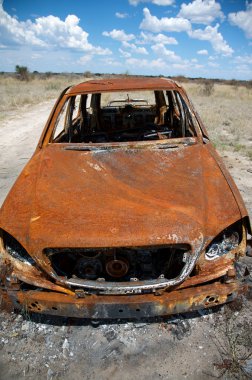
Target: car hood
{"x": 119, "y": 197}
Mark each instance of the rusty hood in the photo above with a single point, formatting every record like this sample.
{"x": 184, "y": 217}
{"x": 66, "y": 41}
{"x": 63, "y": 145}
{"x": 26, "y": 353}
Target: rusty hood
{"x": 118, "y": 197}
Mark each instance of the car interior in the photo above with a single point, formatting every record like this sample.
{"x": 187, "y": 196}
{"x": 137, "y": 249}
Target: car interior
{"x": 122, "y": 117}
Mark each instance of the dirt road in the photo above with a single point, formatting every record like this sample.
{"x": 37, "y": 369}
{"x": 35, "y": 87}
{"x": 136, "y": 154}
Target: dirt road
{"x": 185, "y": 347}
{"x": 19, "y": 136}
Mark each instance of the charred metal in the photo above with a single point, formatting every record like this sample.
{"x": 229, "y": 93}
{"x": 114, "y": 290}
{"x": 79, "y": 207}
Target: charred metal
{"x": 125, "y": 209}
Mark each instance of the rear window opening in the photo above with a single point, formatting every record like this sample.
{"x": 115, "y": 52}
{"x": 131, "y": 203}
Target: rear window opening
{"x": 123, "y": 117}
{"x": 119, "y": 264}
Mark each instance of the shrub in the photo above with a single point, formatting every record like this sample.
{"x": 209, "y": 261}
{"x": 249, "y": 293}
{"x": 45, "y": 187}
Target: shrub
{"x": 87, "y": 74}
{"x": 22, "y": 72}
{"x": 208, "y": 88}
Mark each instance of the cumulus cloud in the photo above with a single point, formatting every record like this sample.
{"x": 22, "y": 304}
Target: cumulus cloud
{"x": 160, "y": 49}
{"x": 134, "y": 48}
{"x": 163, "y": 2}
{"x": 211, "y": 34}
{"x": 15, "y": 32}
{"x": 243, "y": 20}
{"x": 119, "y": 35}
{"x": 109, "y": 61}
{"x": 202, "y": 52}
{"x": 124, "y": 54}
{"x": 244, "y": 69}
{"x": 156, "y": 2}
{"x": 147, "y": 38}
{"x": 201, "y": 11}
{"x": 155, "y": 63}
{"x": 186, "y": 66}
{"x": 183, "y": 66}
{"x": 49, "y": 31}
{"x": 246, "y": 59}
{"x": 85, "y": 59}
{"x": 124, "y": 38}
{"x": 121, "y": 15}
{"x": 213, "y": 64}
{"x": 164, "y": 24}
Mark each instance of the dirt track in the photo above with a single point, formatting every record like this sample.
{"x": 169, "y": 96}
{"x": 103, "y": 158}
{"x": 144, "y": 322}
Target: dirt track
{"x": 180, "y": 348}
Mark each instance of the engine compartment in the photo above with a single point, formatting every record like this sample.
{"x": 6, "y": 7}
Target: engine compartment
{"x": 118, "y": 264}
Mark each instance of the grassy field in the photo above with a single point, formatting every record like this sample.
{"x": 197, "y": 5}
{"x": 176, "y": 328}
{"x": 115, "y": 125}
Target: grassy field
{"x": 16, "y": 93}
{"x": 227, "y": 114}
{"x": 226, "y": 111}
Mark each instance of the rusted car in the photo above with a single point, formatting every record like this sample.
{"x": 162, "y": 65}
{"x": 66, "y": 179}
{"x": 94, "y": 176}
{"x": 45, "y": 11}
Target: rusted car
{"x": 124, "y": 210}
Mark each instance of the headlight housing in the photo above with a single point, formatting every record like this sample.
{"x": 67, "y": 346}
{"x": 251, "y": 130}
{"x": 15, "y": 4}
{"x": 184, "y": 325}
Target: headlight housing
{"x": 15, "y": 249}
{"x": 225, "y": 242}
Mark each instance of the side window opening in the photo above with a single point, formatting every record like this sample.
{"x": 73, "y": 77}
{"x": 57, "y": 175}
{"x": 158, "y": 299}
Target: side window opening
{"x": 123, "y": 117}
{"x": 60, "y": 124}
{"x": 185, "y": 122}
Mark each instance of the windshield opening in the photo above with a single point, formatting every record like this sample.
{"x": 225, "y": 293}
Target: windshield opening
{"x": 123, "y": 117}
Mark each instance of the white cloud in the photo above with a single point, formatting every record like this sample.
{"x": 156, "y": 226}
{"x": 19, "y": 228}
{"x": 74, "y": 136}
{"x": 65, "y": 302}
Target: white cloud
{"x": 163, "y": 2}
{"x": 211, "y": 34}
{"x": 187, "y": 66}
{"x": 155, "y": 63}
{"x": 124, "y": 54}
{"x": 47, "y": 32}
{"x": 213, "y": 64}
{"x": 36, "y": 56}
{"x": 14, "y": 32}
{"x": 134, "y": 48}
{"x": 156, "y": 2}
{"x": 165, "y": 24}
{"x": 85, "y": 59}
{"x": 160, "y": 49}
{"x": 121, "y": 15}
{"x": 201, "y": 11}
{"x": 246, "y": 59}
{"x": 202, "y": 52}
{"x": 244, "y": 69}
{"x": 147, "y": 38}
{"x": 243, "y": 20}
{"x": 111, "y": 62}
{"x": 119, "y": 35}
{"x": 184, "y": 66}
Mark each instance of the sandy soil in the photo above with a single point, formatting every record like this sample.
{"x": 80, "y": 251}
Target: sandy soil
{"x": 183, "y": 347}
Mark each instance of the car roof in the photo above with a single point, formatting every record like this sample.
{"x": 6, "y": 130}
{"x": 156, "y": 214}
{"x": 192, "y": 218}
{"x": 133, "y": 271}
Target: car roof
{"x": 123, "y": 84}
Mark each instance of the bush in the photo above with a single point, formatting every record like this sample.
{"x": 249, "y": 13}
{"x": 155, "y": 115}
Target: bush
{"x": 87, "y": 74}
{"x": 208, "y": 88}
{"x": 22, "y": 72}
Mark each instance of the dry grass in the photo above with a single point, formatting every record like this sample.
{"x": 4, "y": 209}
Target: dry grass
{"x": 15, "y": 93}
{"x": 233, "y": 343}
{"x": 227, "y": 114}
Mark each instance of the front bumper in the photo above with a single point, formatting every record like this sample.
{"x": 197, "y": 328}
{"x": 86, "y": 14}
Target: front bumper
{"x": 215, "y": 283}
{"x": 130, "y": 306}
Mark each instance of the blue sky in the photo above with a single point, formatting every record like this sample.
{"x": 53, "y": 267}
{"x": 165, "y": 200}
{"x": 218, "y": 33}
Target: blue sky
{"x": 206, "y": 38}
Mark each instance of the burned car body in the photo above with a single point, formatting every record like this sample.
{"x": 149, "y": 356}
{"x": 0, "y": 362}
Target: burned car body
{"x": 124, "y": 210}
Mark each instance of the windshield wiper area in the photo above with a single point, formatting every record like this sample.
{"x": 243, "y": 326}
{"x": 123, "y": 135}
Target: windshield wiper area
{"x": 166, "y": 146}
{"x": 115, "y": 147}
{"x": 89, "y": 149}
{"x": 130, "y": 145}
